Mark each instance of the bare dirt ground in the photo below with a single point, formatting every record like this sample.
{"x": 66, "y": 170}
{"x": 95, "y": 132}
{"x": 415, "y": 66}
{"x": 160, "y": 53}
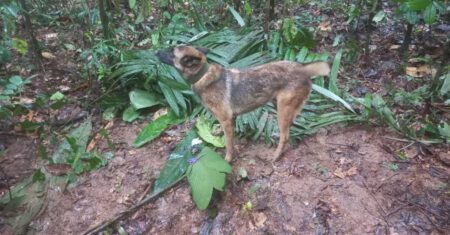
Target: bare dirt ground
{"x": 342, "y": 180}
{"x": 338, "y": 181}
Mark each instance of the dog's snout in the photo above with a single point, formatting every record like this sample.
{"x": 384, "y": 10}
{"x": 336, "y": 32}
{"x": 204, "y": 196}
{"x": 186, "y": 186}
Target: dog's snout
{"x": 166, "y": 56}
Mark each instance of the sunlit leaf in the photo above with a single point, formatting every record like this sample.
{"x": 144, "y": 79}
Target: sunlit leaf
{"x": 142, "y": 99}
{"x": 204, "y": 130}
{"x": 155, "y": 128}
{"x": 207, "y": 174}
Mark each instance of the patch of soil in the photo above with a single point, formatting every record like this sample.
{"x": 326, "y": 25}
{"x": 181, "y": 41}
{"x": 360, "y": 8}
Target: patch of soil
{"x": 337, "y": 181}
{"x": 18, "y": 160}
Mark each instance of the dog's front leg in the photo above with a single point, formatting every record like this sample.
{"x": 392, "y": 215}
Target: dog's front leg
{"x": 225, "y": 118}
{"x": 228, "y": 128}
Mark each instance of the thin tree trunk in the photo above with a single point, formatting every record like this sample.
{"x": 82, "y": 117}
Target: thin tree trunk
{"x": 104, "y": 19}
{"x": 32, "y": 38}
{"x": 406, "y": 41}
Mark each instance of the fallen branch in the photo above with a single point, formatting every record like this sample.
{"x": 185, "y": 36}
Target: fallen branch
{"x": 103, "y": 225}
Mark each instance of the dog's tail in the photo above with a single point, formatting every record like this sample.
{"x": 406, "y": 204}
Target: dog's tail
{"x": 317, "y": 69}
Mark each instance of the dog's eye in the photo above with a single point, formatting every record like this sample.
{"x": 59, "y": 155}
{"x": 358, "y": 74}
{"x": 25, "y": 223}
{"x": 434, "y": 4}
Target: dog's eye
{"x": 190, "y": 61}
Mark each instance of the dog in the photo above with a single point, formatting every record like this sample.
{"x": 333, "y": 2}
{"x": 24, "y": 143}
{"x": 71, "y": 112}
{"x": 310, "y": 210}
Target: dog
{"x": 230, "y": 92}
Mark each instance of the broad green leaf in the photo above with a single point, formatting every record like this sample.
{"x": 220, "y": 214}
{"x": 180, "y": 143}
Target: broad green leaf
{"x": 176, "y": 164}
{"x": 204, "y": 130}
{"x": 155, "y": 128}
{"x": 332, "y": 96}
{"x": 130, "y": 114}
{"x": 207, "y": 174}
{"x": 142, "y": 99}
{"x": 80, "y": 135}
{"x": 429, "y": 15}
{"x": 236, "y": 16}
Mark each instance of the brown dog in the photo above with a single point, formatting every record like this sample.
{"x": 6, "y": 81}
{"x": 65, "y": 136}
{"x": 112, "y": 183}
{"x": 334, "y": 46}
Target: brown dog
{"x": 230, "y": 92}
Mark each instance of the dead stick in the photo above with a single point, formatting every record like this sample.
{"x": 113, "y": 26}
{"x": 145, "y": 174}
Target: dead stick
{"x": 98, "y": 228}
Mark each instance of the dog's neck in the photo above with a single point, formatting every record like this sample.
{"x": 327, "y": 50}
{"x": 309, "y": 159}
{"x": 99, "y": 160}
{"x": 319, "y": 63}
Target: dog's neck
{"x": 196, "y": 77}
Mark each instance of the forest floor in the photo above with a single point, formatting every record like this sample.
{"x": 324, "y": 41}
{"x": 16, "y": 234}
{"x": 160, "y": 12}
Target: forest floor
{"x": 345, "y": 179}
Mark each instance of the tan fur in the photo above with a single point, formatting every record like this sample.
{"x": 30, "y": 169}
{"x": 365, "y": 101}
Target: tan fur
{"x": 230, "y": 92}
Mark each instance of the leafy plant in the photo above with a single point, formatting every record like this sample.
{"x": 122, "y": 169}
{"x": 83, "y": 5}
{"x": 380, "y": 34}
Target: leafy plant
{"x": 9, "y": 89}
{"x": 72, "y": 151}
{"x": 205, "y": 173}
{"x": 204, "y": 168}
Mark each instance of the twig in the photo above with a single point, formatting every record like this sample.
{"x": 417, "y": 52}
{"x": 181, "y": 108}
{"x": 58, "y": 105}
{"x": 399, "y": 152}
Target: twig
{"x": 99, "y": 227}
{"x": 383, "y": 214}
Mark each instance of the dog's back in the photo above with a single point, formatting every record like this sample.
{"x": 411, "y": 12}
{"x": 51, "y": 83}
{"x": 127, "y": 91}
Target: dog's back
{"x": 251, "y": 88}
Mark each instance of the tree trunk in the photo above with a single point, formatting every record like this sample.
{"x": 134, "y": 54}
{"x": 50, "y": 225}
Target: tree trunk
{"x": 406, "y": 41}
{"x": 32, "y": 38}
{"x": 104, "y": 19}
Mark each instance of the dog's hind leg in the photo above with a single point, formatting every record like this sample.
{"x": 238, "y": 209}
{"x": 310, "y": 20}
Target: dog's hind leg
{"x": 289, "y": 104}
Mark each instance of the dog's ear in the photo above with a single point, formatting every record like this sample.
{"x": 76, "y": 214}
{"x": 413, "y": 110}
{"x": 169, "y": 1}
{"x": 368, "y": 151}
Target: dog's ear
{"x": 203, "y": 50}
{"x": 190, "y": 61}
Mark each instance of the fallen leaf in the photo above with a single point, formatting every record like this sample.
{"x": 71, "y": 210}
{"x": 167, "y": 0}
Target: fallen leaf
{"x": 394, "y": 47}
{"x": 51, "y": 36}
{"x": 260, "y": 219}
{"x": 325, "y": 26}
{"x": 342, "y": 174}
{"x": 58, "y": 169}
{"x": 339, "y": 173}
{"x": 420, "y": 71}
{"x": 48, "y": 55}
{"x": 94, "y": 141}
{"x": 159, "y": 113}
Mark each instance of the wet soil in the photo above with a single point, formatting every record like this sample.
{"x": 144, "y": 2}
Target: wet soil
{"x": 338, "y": 181}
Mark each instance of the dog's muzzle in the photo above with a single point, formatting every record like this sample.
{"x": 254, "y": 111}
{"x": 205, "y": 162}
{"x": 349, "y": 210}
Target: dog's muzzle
{"x": 166, "y": 56}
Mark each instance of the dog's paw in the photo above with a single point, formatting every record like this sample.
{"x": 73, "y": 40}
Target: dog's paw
{"x": 228, "y": 158}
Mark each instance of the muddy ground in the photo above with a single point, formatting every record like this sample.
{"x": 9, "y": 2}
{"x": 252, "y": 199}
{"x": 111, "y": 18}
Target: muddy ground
{"x": 342, "y": 180}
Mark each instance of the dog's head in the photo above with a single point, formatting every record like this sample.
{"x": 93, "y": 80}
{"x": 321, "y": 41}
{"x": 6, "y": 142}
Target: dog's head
{"x": 188, "y": 60}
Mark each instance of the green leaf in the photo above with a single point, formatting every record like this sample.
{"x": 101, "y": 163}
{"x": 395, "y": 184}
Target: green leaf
{"x": 204, "y": 130}
{"x": 109, "y": 113}
{"x": 16, "y": 80}
{"x": 170, "y": 97}
{"x": 429, "y": 15}
{"x": 132, "y": 4}
{"x": 5, "y": 55}
{"x": 444, "y": 130}
{"x": 142, "y": 99}
{"x": 379, "y": 16}
{"x": 445, "y": 88}
{"x": 38, "y": 176}
{"x": 418, "y": 5}
{"x": 57, "y": 96}
{"x": 177, "y": 163}
{"x": 27, "y": 200}
{"x": 207, "y": 174}
{"x": 236, "y": 16}
{"x": 155, "y": 128}
{"x": 334, "y": 73}
{"x": 130, "y": 114}
{"x": 332, "y": 96}
{"x": 80, "y": 135}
